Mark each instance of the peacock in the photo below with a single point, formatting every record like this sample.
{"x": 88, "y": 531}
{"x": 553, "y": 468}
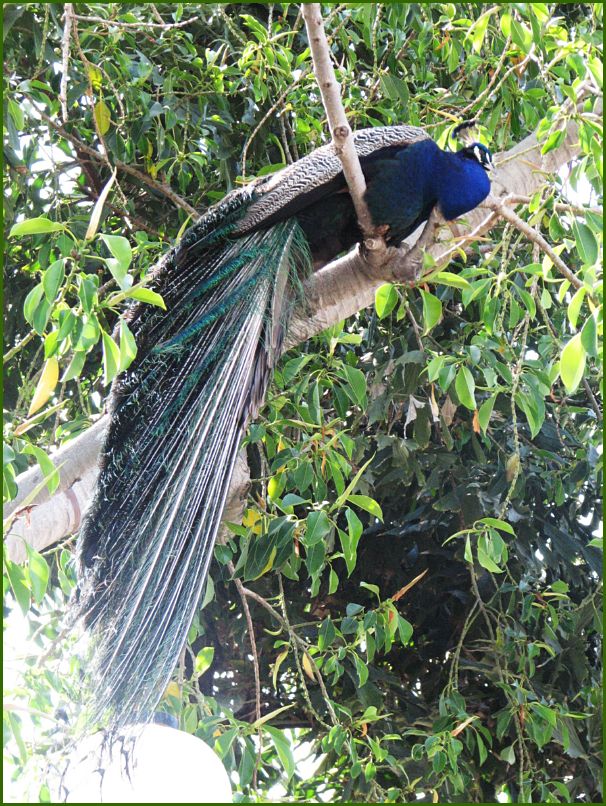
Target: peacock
{"x": 179, "y": 412}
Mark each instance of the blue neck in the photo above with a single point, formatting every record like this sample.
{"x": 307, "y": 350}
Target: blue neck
{"x": 460, "y": 183}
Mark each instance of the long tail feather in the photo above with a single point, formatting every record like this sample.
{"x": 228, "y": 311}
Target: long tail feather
{"x": 177, "y": 417}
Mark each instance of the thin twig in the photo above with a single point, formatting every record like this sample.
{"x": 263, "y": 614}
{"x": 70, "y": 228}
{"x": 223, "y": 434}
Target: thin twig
{"x": 18, "y": 347}
{"x": 255, "y": 656}
{"x": 267, "y": 115}
{"x": 165, "y": 26}
{"x": 501, "y": 209}
{"x": 563, "y": 207}
{"x": 297, "y": 638}
{"x": 160, "y": 187}
{"x": 90, "y": 94}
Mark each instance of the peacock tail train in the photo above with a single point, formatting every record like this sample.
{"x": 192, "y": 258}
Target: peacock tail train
{"x": 177, "y": 417}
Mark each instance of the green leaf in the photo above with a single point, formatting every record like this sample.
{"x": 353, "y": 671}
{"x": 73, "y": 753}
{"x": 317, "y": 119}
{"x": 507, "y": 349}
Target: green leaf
{"x": 533, "y": 406}
{"x": 486, "y": 560}
{"x": 432, "y": 310}
{"x": 521, "y": 35}
{"x": 553, "y": 141}
{"x": 485, "y": 412}
{"x": 75, "y": 367}
{"x": 52, "y": 279}
{"x": 224, "y": 742}
{"x": 498, "y": 524}
{"x": 596, "y": 68}
{"x": 19, "y": 583}
{"x": 572, "y": 363}
{"x": 128, "y": 347}
{"x": 317, "y": 526}
{"x": 120, "y": 249}
{"x": 49, "y": 471}
{"x": 361, "y": 669}
{"x": 314, "y": 559}
{"x": 386, "y": 299}
{"x": 282, "y": 746}
{"x": 477, "y": 32}
{"x": 574, "y": 306}
{"x": 465, "y": 388}
{"x": 527, "y": 301}
{"x": 368, "y": 504}
{"x": 357, "y": 383}
{"x": 434, "y": 367}
{"x": 38, "y": 572}
{"x": 350, "y": 539}
{"x": 589, "y": 337}
{"x": 111, "y": 358}
{"x": 204, "y": 659}
{"x": 405, "y": 630}
{"x": 102, "y": 116}
{"x": 35, "y": 226}
{"x": 292, "y": 368}
{"x": 17, "y": 114}
{"x": 449, "y": 278}
{"x": 32, "y": 301}
{"x": 147, "y": 295}
{"x": 87, "y": 293}
{"x": 396, "y": 89}
{"x": 586, "y": 243}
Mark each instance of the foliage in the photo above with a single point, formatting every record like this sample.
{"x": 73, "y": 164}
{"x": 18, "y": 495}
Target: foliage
{"x": 420, "y": 536}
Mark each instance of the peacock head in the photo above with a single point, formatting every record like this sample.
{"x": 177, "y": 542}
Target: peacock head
{"x": 479, "y": 153}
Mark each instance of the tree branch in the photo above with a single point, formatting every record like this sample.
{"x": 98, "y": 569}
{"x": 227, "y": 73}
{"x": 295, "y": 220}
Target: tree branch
{"x": 375, "y": 249}
{"x": 500, "y": 207}
{"x": 68, "y": 17}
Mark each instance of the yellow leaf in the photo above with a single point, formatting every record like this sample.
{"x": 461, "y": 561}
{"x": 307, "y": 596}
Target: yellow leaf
{"x": 461, "y": 727}
{"x": 406, "y": 588}
{"x": 102, "y": 116}
{"x": 46, "y": 385}
{"x": 172, "y": 690}
{"x": 253, "y": 521}
{"x": 251, "y": 516}
{"x": 307, "y": 667}
{"x": 276, "y": 666}
{"x": 270, "y": 563}
{"x": 95, "y": 217}
{"x": 512, "y": 467}
{"x": 95, "y": 76}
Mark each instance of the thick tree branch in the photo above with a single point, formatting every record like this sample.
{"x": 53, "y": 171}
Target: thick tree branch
{"x": 335, "y": 292}
{"x": 337, "y": 120}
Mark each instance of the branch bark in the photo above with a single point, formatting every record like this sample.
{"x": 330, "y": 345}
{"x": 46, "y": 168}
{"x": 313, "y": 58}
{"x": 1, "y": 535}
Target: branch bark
{"x": 376, "y": 252}
{"x": 333, "y": 293}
